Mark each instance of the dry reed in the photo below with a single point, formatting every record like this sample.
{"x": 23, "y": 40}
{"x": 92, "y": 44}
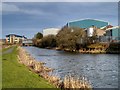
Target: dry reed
{"x": 68, "y": 83}
{"x": 75, "y": 83}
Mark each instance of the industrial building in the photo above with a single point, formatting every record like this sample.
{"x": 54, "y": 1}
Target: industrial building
{"x": 90, "y": 25}
{"x": 90, "y": 31}
{"x": 50, "y": 31}
{"x": 86, "y": 23}
{"x": 104, "y": 31}
{"x": 113, "y": 32}
{"x": 13, "y": 38}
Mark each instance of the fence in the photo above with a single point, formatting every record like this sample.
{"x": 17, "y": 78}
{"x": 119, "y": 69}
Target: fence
{"x": 108, "y": 39}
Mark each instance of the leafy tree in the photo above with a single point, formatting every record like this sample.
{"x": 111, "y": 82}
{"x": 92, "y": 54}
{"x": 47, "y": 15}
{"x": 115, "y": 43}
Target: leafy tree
{"x": 48, "y": 41}
{"x": 71, "y": 38}
{"x": 38, "y": 35}
{"x": 37, "y": 38}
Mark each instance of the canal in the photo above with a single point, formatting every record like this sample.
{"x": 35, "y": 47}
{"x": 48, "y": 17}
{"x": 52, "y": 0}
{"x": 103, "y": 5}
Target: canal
{"x": 100, "y": 69}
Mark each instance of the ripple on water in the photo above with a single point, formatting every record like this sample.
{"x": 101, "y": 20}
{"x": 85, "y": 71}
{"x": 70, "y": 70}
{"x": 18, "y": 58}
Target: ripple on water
{"x": 100, "y": 69}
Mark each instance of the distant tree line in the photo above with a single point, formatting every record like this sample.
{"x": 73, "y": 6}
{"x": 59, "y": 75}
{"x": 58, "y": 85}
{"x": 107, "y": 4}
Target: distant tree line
{"x": 71, "y": 38}
{"x": 43, "y": 42}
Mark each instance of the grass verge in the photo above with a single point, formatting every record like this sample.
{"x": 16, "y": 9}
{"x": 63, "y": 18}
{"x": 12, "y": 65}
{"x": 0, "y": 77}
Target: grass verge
{"x": 16, "y": 75}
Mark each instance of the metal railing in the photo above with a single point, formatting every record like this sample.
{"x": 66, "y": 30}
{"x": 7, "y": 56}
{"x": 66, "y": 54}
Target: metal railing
{"x": 108, "y": 39}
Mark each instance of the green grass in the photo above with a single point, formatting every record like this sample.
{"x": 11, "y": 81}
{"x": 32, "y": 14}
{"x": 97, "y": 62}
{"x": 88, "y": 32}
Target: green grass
{"x": 16, "y": 75}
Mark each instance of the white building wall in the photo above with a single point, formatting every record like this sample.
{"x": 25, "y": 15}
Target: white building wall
{"x": 90, "y": 31}
{"x": 50, "y": 31}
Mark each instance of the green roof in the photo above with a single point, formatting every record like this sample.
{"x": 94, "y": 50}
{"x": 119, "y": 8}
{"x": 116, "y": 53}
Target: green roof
{"x": 86, "y": 23}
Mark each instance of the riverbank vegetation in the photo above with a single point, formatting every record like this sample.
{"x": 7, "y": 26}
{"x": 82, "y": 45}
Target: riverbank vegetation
{"x": 68, "y": 38}
{"x": 68, "y": 83}
{"x": 37, "y": 37}
{"x": 48, "y": 42}
{"x": 76, "y": 40}
{"x": 71, "y": 38}
{"x": 36, "y": 75}
{"x": 16, "y": 75}
{"x": 113, "y": 48}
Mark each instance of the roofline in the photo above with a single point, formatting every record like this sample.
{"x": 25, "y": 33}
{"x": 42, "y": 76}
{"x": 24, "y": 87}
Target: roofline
{"x": 16, "y": 35}
{"x": 13, "y": 34}
{"x": 51, "y": 28}
{"x": 88, "y": 18}
{"x": 115, "y": 27}
{"x": 103, "y": 27}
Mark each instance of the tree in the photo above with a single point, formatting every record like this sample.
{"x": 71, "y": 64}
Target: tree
{"x": 71, "y": 38}
{"x": 48, "y": 41}
{"x": 37, "y": 38}
{"x": 38, "y": 35}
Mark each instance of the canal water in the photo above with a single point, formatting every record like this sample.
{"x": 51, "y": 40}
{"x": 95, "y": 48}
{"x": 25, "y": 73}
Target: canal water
{"x": 100, "y": 69}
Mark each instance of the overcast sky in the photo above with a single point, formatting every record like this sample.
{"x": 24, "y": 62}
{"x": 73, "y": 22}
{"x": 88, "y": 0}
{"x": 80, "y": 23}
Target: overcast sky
{"x": 28, "y": 18}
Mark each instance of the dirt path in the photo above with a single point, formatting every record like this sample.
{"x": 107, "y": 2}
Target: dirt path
{"x": 8, "y": 51}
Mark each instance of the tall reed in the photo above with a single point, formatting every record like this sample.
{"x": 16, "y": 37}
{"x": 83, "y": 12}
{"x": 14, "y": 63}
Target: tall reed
{"x": 68, "y": 83}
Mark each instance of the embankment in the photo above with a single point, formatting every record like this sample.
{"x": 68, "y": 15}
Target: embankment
{"x": 43, "y": 71}
{"x": 16, "y": 75}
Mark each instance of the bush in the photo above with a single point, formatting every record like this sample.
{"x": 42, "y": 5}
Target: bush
{"x": 71, "y": 38}
{"x": 48, "y": 41}
{"x": 37, "y": 38}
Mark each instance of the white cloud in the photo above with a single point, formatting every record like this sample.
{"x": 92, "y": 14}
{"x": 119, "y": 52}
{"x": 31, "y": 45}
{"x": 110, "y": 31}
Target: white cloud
{"x": 33, "y": 12}
{"x": 11, "y": 8}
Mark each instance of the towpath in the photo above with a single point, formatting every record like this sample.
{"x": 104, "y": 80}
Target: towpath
{"x": 8, "y": 51}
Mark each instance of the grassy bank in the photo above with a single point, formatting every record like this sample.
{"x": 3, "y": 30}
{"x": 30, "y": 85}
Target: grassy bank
{"x": 39, "y": 68}
{"x": 16, "y": 75}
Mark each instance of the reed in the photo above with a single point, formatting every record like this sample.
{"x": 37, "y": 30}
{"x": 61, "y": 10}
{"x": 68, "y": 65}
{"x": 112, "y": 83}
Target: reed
{"x": 75, "y": 83}
{"x": 68, "y": 83}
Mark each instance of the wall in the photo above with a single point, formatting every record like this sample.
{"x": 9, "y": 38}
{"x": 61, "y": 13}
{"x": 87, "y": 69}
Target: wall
{"x": 50, "y": 31}
{"x": 109, "y": 33}
{"x": 116, "y": 33}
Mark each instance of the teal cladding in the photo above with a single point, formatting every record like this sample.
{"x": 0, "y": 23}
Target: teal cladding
{"x": 87, "y": 23}
{"x": 116, "y": 33}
